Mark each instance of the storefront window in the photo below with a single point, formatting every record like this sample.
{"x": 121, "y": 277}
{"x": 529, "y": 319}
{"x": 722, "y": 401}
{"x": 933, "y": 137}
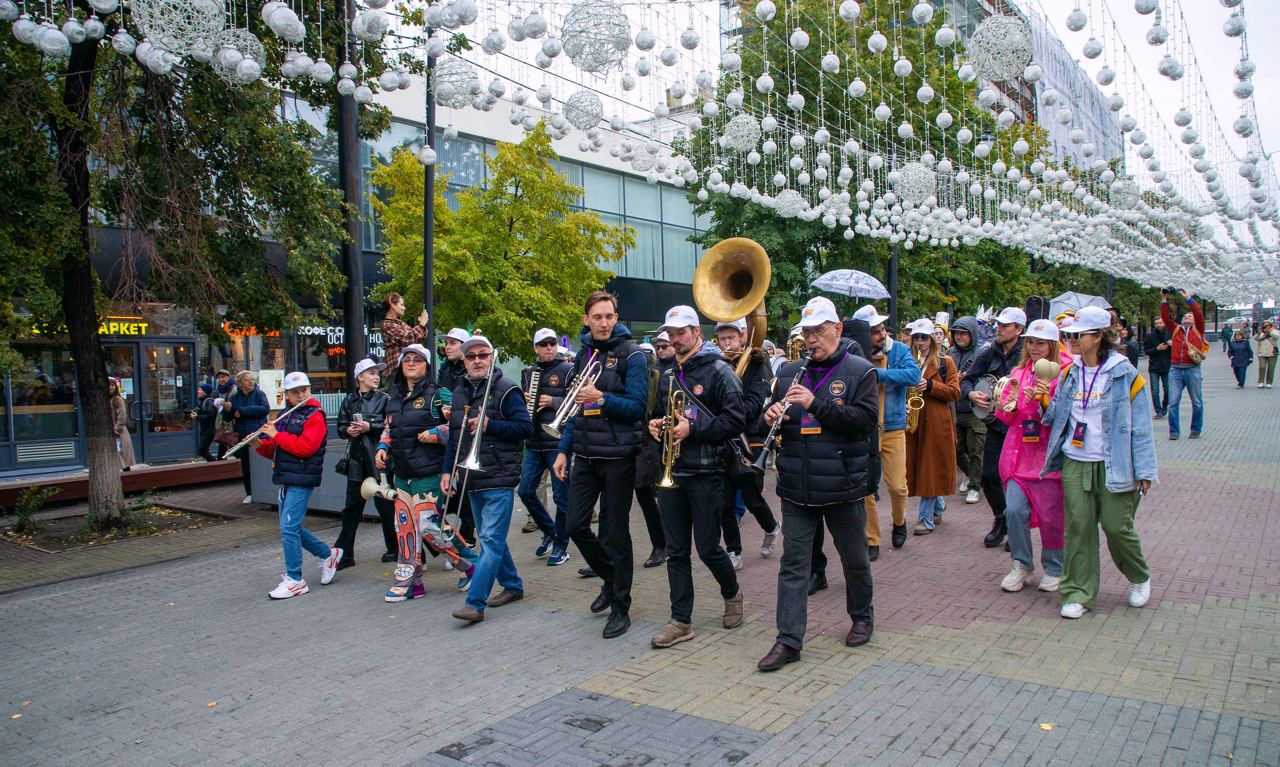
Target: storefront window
{"x": 44, "y": 395}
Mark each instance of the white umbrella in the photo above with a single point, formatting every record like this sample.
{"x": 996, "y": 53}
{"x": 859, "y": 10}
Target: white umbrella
{"x": 1074, "y": 301}
{"x": 851, "y": 282}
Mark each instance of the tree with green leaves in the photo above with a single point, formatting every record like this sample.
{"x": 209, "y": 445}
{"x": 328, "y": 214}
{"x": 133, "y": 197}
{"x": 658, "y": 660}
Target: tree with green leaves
{"x": 202, "y": 176}
{"x": 514, "y": 256}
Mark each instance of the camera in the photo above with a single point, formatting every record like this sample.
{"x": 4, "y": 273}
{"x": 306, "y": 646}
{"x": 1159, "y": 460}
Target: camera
{"x": 1168, "y": 291}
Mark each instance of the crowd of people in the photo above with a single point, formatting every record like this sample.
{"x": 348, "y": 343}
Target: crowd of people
{"x": 1048, "y": 419}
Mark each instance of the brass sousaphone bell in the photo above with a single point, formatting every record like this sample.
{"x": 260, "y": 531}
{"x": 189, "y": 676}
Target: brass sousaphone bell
{"x": 729, "y": 284}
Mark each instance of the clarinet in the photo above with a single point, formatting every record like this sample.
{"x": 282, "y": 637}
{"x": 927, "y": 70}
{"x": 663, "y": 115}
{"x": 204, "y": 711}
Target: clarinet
{"x": 771, "y": 440}
{"x": 535, "y": 378}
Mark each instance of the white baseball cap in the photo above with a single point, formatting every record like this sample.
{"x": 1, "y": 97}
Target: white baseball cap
{"x": 366, "y": 364}
{"x": 1091, "y": 318}
{"x": 647, "y": 347}
{"x": 1012, "y": 315}
{"x": 662, "y": 336}
{"x": 296, "y": 380}
{"x": 457, "y": 334}
{"x": 543, "y": 334}
{"x": 475, "y": 341}
{"x": 680, "y": 317}
{"x": 794, "y": 332}
{"x": 738, "y": 325}
{"x": 417, "y": 349}
{"x": 1045, "y": 330}
{"x": 869, "y": 315}
{"x": 818, "y": 311}
{"x": 921, "y": 327}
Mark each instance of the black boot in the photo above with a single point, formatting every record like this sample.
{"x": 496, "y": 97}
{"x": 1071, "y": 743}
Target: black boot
{"x": 899, "y": 536}
{"x": 656, "y": 558}
{"x": 996, "y": 536}
{"x": 817, "y": 583}
{"x": 873, "y": 553}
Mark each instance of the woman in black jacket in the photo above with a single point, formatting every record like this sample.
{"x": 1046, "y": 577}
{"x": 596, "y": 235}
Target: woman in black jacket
{"x": 360, "y": 420}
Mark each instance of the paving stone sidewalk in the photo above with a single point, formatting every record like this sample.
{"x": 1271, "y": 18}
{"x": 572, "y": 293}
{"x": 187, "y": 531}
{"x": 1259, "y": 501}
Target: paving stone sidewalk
{"x": 122, "y": 668}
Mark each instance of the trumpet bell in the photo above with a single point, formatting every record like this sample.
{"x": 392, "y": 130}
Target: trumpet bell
{"x": 551, "y": 429}
{"x": 731, "y": 281}
{"x": 472, "y": 463}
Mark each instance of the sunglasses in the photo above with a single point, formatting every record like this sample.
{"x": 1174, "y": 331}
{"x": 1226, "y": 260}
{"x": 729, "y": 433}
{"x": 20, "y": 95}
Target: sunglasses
{"x": 545, "y": 343}
{"x": 477, "y": 357}
{"x": 1074, "y": 335}
{"x": 920, "y": 335}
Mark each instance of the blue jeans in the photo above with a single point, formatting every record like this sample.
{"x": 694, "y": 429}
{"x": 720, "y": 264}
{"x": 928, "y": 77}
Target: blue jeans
{"x": 492, "y": 510}
{"x": 293, "y": 536}
{"x": 1017, "y": 516}
{"x": 1191, "y": 379}
{"x": 930, "y": 505}
{"x": 536, "y": 463}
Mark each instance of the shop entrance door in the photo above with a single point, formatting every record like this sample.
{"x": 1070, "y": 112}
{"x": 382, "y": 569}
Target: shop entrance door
{"x": 158, "y": 380}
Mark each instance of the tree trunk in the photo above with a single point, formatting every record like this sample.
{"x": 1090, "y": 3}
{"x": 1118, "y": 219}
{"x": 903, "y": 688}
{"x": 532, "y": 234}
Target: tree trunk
{"x": 79, "y": 294}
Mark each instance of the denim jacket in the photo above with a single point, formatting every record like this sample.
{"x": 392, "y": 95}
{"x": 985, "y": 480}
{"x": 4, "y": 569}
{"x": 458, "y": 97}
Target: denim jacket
{"x": 899, "y": 374}
{"x": 1130, "y": 445}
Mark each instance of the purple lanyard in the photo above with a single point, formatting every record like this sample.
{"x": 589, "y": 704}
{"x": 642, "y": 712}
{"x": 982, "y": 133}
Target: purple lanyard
{"x": 809, "y": 377}
{"x": 1088, "y": 393}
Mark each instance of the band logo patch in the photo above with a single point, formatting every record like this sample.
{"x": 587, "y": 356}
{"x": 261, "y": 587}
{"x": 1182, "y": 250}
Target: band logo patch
{"x": 553, "y": 380}
{"x": 610, "y": 361}
{"x": 419, "y": 403}
{"x": 697, "y": 390}
{"x": 837, "y": 387}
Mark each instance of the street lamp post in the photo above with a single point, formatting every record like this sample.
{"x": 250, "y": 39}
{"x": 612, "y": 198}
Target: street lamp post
{"x": 349, "y": 179}
{"x": 429, "y": 215}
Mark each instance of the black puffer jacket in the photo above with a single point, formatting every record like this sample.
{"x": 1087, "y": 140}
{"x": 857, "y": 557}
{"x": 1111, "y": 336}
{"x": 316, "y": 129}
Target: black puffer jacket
{"x": 708, "y": 379}
{"x": 616, "y": 429}
{"x": 507, "y": 426}
{"x": 372, "y": 406}
{"x": 840, "y": 461}
{"x": 756, "y": 389}
{"x": 553, "y": 380}
{"x": 410, "y": 415}
{"x": 451, "y": 374}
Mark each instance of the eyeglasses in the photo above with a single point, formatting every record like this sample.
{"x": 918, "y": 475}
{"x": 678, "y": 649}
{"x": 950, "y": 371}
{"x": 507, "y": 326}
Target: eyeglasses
{"x": 477, "y": 357}
{"x": 1074, "y": 335}
{"x": 412, "y": 358}
{"x": 662, "y": 347}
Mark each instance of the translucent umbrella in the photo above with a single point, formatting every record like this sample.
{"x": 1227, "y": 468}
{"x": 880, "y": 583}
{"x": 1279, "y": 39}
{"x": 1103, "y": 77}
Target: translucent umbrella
{"x": 852, "y": 283}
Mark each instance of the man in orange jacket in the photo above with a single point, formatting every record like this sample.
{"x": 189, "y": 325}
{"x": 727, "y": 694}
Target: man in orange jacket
{"x": 1188, "y": 351}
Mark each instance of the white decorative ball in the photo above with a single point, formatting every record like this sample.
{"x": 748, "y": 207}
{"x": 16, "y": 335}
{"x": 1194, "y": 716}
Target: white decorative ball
{"x": 850, "y": 10}
{"x": 830, "y": 63}
{"x": 427, "y": 156}
{"x": 363, "y": 94}
{"x": 1242, "y": 89}
{"x": 966, "y": 73}
{"x": 248, "y": 70}
{"x": 104, "y": 7}
{"x": 1243, "y": 126}
{"x": 766, "y": 10}
{"x": 944, "y": 120}
{"x": 964, "y": 136}
{"x": 944, "y": 37}
{"x": 596, "y": 35}
{"x": 551, "y": 47}
{"x": 1245, "y": 69}
{"x": 1106, "y": 75}
{"x": 94, "y": 29}
{"x": 1033, "y": 73}
{"x": 902, "y": 67}
{"x": 1000, "y": 48}
{"x": 628, "y": 81}
{"x": 915, "y": 183}
{"x": 453, "y": 82}
{"x": 669, "y": 56}
{"x": 348, "y": 70}
{"x": 1157, "y": 35}
{"x": 906, "y": 131}
{"x": 346, "y": 86}
{"x": 643, "y": 67}
{"x": 122, "y": 42}
{"x": 883, "y": 113}
{"x": 799, "y": 39}
{"x": 857, "y": 88}
{"x": 1233, "y": 26}
{"x": 689, "y": 39}
{"x": 583, "y": 109}
{"x": 795, "y": 102}
{"x": 877, "y": 42}
{"x": 922, "y": 13}
{"x": 1146, "y": 7}
{"x": 924, "y": 94}
{"x": 645, "y": 40}
{"x": 233, "y": 46}
{"x": 1077, "y": 20}
{"x": 535, "y": 25}
{"x": 179, "y": 25}
{"x": 1092, "y": 48}
{"x": 74, "y": 31}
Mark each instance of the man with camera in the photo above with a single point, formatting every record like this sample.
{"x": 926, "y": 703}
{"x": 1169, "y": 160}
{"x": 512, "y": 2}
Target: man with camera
{"x": 1187, "y": 351}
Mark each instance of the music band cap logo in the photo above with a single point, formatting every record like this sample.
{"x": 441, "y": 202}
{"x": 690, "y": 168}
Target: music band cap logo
{"x": 837, "y": 387}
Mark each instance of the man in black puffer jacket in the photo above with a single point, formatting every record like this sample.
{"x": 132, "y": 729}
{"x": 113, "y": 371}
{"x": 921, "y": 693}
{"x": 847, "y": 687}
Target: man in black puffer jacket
{"x": 540, "y": 451}
{"x": 501, "y": 429}
{"x": 828, "y": 463}
{"x": 709, "y": 412}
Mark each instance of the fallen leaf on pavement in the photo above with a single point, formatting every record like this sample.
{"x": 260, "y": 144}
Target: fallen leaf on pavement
{"x": 138, "y": 742}
{"x": 213, "y": 703}
{"x": 16, "y": 716}
{"x": 1046, "y": 726}
{"x": 25, "y": 703}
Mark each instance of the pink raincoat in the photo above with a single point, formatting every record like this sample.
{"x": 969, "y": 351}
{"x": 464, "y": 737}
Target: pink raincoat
{"x": 1023, "y": 456}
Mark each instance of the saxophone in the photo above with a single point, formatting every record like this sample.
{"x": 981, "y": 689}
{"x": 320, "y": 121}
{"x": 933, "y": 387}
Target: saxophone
{"x": 915, "y": 399}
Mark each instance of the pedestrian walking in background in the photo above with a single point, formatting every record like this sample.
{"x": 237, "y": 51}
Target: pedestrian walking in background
{"x": 295, "y": 446}
{"x": 361, "y": 418}
{"x": 1188, "y": 349}
{"x": 1268, "y": 339}
{"x": 1131, "y": 350}
{"x": 1159, "y": 349}
{"x": 931, "y": 455}
{"x": 1101, "y": 440}
{"x": 248, "y": 408}
{"x": 1032, "y": 500}
{"x": 971, "y": 431}
{"x": 1241, "y": 356}
{"x": 205, "y": 416}
{"x": 120, "y": 425}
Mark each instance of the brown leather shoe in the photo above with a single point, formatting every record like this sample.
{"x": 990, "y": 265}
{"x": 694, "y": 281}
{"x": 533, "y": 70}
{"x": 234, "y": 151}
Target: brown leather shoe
{"x": 921, "y": 529}
{"x": 778, "y": 657}
{"x": 859, "y": 635}
{"x": 674, "y": 633}
{"x": 468, "y": 614}
{"x": 505, "y": 598}
{"x": 733, "y": 611}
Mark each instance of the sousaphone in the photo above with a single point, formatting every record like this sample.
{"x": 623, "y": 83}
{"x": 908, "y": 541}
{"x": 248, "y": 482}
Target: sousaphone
{"x": 729, "y": 284}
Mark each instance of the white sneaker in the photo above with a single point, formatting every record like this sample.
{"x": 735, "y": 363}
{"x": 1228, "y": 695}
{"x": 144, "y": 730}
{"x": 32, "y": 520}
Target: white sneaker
{"x": 1262, "y": 386}
{"x": 1049, "y": 582}
{"x": 1139, "y": 593}
{"x": 736, "y": 559}
{"x": 964, "y": 486}
{"x": 1073, "y": 610}
{"x": 289, "y": 588}
{"x": 1268, "y": 386}
{"x": 971, "y": 496}
{"x": 1018, "y": 577}
{"x": 766, "y": 548}
{"x": 329, "y": 567}
{"x": 247, "y": 500}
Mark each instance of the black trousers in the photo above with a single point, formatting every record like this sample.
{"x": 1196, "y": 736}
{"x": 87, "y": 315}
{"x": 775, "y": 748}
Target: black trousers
{"x": 609, "y": 480}
{"x": 847, "y": 523}
{"x": 691, "y": 510}
{"x": 652, "y": 517}
{"x": 352, "y": 511}
{"x": 752, "y": 488}
{"x": 243, "y": 457}
{"x": 992, "y": 487}
{"x": 819, "y": 564}
{"x": 206, "y": 441}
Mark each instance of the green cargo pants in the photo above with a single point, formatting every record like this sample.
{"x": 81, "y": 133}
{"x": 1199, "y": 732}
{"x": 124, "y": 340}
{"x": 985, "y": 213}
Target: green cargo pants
{"x": 1086, "y": 504}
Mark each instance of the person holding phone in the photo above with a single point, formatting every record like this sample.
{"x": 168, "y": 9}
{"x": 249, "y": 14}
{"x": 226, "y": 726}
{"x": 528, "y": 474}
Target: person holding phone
{"x": 1101, "y": 440}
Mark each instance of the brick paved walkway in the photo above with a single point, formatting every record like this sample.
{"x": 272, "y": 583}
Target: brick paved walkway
{"x": 121, "y": 668}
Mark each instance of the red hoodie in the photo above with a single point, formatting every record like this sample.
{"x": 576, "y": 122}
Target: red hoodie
{"x": 1179, "y": 334}
{"x": 314, "y": 431}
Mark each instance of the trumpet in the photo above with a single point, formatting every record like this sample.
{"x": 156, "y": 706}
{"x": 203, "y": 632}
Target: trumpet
{"x": 568, "y": 408}
{"x": 771, "y": 440}
{"x": 255, "y": 434}
{"x": 915, "y": 400}
{"x": 676, "y": 401}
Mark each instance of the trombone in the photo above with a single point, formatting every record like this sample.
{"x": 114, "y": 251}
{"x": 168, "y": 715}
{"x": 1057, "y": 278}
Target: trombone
{"x": 568, "y": 408}
{"x": 676, "y": 401}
